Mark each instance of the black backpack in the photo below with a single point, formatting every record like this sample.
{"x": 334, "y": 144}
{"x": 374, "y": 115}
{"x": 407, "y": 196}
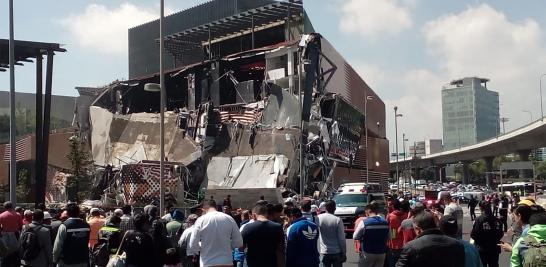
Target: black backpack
{"x": 100, "y": 253}
{"x": 29, "y": 246}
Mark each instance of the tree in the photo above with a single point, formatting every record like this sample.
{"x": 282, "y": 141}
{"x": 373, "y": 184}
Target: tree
{"x": 78, "y": 185}
{"x": 540, "y": 170}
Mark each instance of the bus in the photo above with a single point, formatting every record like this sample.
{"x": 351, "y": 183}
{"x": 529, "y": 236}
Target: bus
{"x": 520, "y": 188}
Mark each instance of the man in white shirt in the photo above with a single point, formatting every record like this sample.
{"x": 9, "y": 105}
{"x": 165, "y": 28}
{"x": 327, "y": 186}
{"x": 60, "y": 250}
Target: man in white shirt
{"x": 453, "y": 209}
{"x": 187, "y": 258}
{"x": 332, "y": 237}
{"x": 215, "y": 235}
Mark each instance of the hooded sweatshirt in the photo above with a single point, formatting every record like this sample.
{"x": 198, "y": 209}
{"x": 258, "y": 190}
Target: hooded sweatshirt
{"x": 538, "y": 231}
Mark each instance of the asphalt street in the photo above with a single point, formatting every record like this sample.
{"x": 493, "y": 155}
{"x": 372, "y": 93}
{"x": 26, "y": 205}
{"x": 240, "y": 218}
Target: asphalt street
{"x": 352, "y": 256}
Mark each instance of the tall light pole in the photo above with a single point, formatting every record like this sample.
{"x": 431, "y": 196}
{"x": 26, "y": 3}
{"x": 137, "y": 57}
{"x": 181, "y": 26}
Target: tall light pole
{"x": 366, "y": 130}
{"x": 162, "y": 109}
{"x": 503, "y": 120}
{"x": 405, "y": 164}
{"x": 530, "y": 114}
{"x": 12, "y": 159}
{"x": 396, "y": 115}
{"x": 541, "y": 109}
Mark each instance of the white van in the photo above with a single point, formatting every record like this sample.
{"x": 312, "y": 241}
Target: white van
{"x": 351, "y": 198}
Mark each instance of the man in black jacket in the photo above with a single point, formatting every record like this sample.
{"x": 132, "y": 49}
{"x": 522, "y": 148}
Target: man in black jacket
{"x": 487, "y": 233}
{"x": 431, "y": 247}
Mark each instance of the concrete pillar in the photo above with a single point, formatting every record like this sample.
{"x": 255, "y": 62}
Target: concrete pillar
{"x": 466, "y": 172}
{"x": 440, "y": 173}
{"x": 488, "y": 170}
{"x": 523, "y": 156}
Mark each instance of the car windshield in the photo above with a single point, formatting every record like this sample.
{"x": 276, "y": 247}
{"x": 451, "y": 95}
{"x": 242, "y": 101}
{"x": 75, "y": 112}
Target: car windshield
{"x": 351, "y": 200}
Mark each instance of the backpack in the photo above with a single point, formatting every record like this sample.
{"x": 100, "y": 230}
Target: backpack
{"x": 29, "y": 246}
{"x": 100, "y": 253}
{"x": 535, "y": 255}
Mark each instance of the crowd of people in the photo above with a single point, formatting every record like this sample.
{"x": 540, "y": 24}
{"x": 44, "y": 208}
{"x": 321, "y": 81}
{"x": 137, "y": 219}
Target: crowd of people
{"x": 300, "y": 234}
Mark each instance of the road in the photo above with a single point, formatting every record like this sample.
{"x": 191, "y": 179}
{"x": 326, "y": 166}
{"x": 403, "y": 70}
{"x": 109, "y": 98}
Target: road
{"x": 352, "y": 256}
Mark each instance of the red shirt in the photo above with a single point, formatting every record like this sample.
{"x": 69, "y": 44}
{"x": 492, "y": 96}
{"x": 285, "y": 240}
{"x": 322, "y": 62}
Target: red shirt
{"x": 395, "y": 219}
{"x": 11, "y": 221}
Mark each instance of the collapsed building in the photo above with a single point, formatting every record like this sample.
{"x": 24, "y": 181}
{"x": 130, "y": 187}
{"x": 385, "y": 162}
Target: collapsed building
{"x": 257, "y": 103}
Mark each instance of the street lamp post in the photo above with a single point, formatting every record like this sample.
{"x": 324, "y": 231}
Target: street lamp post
{"x": 366, "y": 130}
{"x": 503, "y": 120}
{"x": 12, "y": 127}
{"x": 404, "y": 171}
{"x": 162, "y": 109}
{"x": 541, "y": 108}
{"x": 396, "y": 115}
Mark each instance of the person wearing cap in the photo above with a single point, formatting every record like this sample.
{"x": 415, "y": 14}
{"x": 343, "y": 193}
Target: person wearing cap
{"x": 174, "y": 226}
{"x": 487, "y": 233}
{"x": 448, "y": 225}
{"x": 45, "y": 255}
{"x": 454, "y": 209}
{"x": 95, "y": 223}
{"x": 188, "y": 259}
{"x": 118, "y": 212}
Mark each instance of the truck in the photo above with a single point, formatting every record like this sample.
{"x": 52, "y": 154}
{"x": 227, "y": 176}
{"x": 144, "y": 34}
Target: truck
{"x": 351, "y": 198}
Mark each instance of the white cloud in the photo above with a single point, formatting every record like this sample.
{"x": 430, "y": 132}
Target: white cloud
{"x": 104, "y": 29}
{"x": 374, "y": 17}
{"x": 482, "y": 41}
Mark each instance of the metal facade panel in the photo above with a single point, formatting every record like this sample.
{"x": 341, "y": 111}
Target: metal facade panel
{"x": 143, "y": 49}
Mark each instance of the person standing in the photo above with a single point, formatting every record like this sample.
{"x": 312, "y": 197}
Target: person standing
{"x": 71, "y": 244}
{"x": 396, "y": 240}
{"x": 301, "y": 241}
{"x": 158, "y": 233}
{"x": 503, "y": 212}
{"x": 454, "y": 209}
{"x": 188, "y": 260}
{"x": 529, "y": 250}
{"x": 126, "y": 220}
{"x": 263, "y": 240}
{"x": 332, "y": 242}
{"x": 111, "y": 234}
{"x": 173, "y": 227}
{"x": 214, "y": 236}
{"x": 44, "y": 255}
{"x": 406, "y": 228}
{"x": 373, "y": 234}
{"x": 306, "y": 205}
{"x": 487, "y": 233}
{"x": 96, "y": 222}
{"x": 11, "y": 223}
{"x": 472, "y": 203}
{"x": 431, "y": 247}
{"x": 448, "y": 225}
{"x": 138, "y": 244}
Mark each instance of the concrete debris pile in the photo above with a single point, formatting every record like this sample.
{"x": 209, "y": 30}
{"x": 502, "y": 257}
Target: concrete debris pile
{"x": 269, "y": 118}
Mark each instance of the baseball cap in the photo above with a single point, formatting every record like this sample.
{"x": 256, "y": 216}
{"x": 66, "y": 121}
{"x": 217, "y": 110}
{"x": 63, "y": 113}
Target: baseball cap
{"x": 527, "y": 202}
{"x": 93, "y": 210}
{"x": 27, "y": 213}
{"x": 47, "y": 215}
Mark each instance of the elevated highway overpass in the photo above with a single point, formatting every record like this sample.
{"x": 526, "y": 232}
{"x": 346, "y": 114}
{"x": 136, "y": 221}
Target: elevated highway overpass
{"x": 520, "y": 141}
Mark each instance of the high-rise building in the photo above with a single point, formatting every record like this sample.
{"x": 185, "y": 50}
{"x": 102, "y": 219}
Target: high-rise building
{"x": 470, "y": 112}
{"x": 427, "y": 147}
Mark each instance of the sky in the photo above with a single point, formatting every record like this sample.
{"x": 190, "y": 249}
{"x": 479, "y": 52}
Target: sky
{"x": 406, "y": 50}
